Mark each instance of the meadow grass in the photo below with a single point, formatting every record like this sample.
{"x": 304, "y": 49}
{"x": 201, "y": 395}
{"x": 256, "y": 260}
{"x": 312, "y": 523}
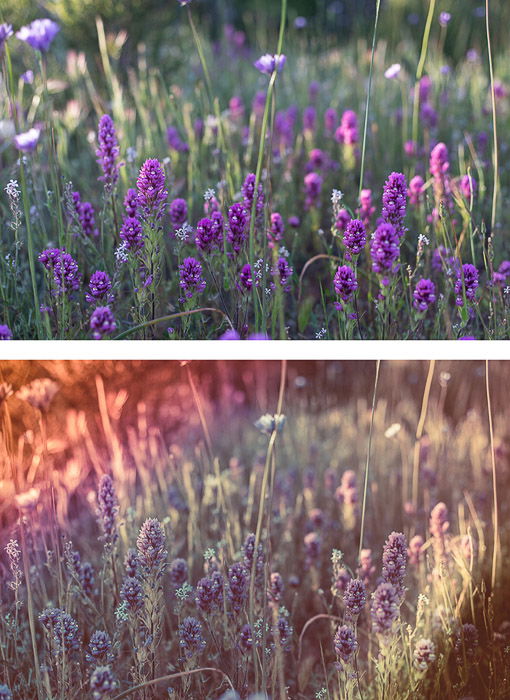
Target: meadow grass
{"x": 221, "y": 131}
{"x": 149, "y": 553}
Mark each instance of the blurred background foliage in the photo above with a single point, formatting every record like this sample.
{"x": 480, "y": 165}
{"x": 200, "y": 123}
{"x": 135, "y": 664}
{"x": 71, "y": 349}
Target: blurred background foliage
{"x": 329, "y": 23}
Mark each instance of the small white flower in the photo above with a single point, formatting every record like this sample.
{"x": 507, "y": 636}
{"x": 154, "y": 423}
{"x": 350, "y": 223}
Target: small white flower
{"x": 121, "y": 254}
{"x": 209, "y": 194}
{"x": 184, "y": 232}
{"x": 283, "y": 252}
{"x": 423, "y": 240}
{"x": 336, "y": 196}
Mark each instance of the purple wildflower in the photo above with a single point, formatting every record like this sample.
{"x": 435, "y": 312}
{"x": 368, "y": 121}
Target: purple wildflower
{"x": 345, "y": 643}
{"x": 191, "y": 280}
{"x": 102, "y": 683}
{"x": 209, "y": 592}
{"x": 132, "y": 233}
{"x": 309, "y": 119}
{"x": 99, "y": 648}
{"x": 174, "y": 140}
{"x": 131, "y": 562}
{"x": 238, "y": 219}
{"x": 131, "y": 593}
{"x": 5, "y": 33}
{"x": 394, "y": 202}
{"x": 424, "y": 654}
{"x": 269, "y": 63}
{"x": 178, "y": 572}
{"x": 415, "y": 190}
{"x": 275, "y": 233}
{"x": 245, "y": 638}
{"x": 345, "y": 283}
{"x": 342, "y": 219}
{"x": 428, "y": 115}
{"x": 178, "y": 212}
{"x": 312, "y": 542}
{"x": 86, "y": 216}
{"x": 87, "y": 578}
{"x": 467, "y": 282}
{"x": 209, "y": 233}
{"x": 444, "y": 18}
{"x": 27, "y": 141}
{"x": 275, "y": 588}
{"x": 355, "y": 237}
{"x": 347, "y": 132}
{"x": 330, "y": 120}
{"x": 151, "y": 188}
{"x": 39, "y": 33}
{"x": 191, "y": 639}
{"x": 99, "y": 285}
{"x": 313, "y": 185}
{"x": 284, "y": 271}
{"x": 102, "y": 322}
{"x": 151, "y": 548}
{"x": 395, "y": 560}
{"x": 236, "y": 107}
{"x": 366, "y": 209}
{"x": 248, "y": 192}
{"x": 355, "y": 597}
{"x": 131, "y": 202}
{"x": 385, "y": 607}
{"x": 424, "y": 294}
{"x": 384, "y": 248}
{"x": 108, "y": 151}
{"x": 283, "y": 631}
{"x": 468, "y": 186}
{"x": 245, "y": 277}
{"x": 5, "y": 332}
{"x": 107, "y": 509}
{"x": 248, "y": 550}
{"x": 65, "y": 634}
{"x": 237, "y": 578}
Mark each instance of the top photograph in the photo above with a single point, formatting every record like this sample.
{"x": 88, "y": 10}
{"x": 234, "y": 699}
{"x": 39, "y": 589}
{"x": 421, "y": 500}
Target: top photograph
{"x": 234, "y": 170}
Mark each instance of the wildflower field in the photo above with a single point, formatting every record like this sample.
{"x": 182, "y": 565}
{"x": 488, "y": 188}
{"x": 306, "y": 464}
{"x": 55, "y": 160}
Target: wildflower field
{"x": 254, "y": 530}
{"x": 256, "y": 175}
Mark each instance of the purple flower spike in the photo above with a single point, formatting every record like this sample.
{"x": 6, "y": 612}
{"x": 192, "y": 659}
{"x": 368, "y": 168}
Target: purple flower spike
{"x": 209, "y": 234}
{"x": 131, "y": 202}
{"x": 191, "y": 281}
{"x": 355, "y": 236}
{"x": 238, "y": 219}
{"x": 385, "y": 248}
{"x": 345, "y": 283}
{"x": 191, "y": 640}
{"x": 238, "y": 579}
{"x": 151, "y": 548}
{"x": 467, "y": 279}
{"x": 178, "y": 212}
{"x": 345, "y": 643}
{"x": 39, "y": 33}
{"x": 5, "y": 332}
{"x": 395, "y": 560}
{"x": 424, "y": 294}
{"x": 108, "y": 151}
{"x": 385, "y": 607}
{"x": 99, "y": 285}
{"x": 132, "y": 233}
{"x": 151, "y": 188}
{"x": 355, "y": 597}
{"x": 102, "y": 322}
{"x": 394, "y": 202}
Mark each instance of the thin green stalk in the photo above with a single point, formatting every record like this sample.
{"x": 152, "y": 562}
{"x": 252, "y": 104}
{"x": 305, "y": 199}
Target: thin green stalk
{"x": 262, "y": 503}
{"x": 260, "y": 159}
{"x": 421, "y": 65}
{"x": 367, "y": 465}
{"x": 419, "y": 433}
{"x": 170, "y": 317}
{"x": 30, "y": 247}
{"x": 367, "y": 105}
{"x": 494, "y": 123}
{"x": 494, "y": 483}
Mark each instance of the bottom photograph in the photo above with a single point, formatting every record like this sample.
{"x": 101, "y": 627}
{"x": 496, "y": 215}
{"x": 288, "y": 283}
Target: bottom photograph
{"x": 259, "y": 529}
